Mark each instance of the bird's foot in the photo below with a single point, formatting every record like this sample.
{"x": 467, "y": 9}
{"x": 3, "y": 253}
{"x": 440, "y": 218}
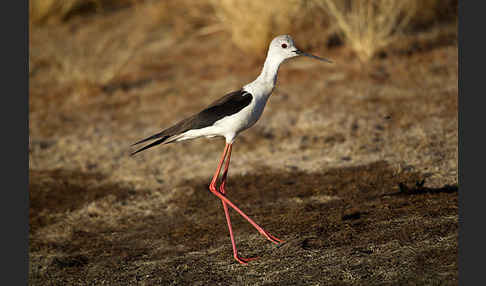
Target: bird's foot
{"x": 271, "y": 237}
{"x": 244, "y": 261}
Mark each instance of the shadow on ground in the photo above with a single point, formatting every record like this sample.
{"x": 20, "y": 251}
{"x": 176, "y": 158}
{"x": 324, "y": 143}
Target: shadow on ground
{"x": 363, "y": 224}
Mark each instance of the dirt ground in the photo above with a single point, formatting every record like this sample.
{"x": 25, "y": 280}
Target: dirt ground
{"x": 354, "y": 166}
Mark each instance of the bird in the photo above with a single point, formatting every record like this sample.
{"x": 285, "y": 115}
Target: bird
{"x": 227, "y": 117}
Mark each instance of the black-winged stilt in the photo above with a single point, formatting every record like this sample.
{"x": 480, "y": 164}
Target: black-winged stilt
{"x": 230, "y": 115}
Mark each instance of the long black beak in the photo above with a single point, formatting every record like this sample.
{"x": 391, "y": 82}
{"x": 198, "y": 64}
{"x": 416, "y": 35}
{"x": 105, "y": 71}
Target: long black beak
{"x": 301, "y": 53}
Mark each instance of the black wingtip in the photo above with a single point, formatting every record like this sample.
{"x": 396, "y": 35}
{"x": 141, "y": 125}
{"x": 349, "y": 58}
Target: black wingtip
{"x": 147, "y": 139}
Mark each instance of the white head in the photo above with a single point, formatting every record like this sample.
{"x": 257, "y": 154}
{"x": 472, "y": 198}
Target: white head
{"x": 282, "y": 48}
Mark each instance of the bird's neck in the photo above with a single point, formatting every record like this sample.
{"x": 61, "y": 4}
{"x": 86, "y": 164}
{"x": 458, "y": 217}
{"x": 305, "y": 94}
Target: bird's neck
{"x": 268, "y": 75}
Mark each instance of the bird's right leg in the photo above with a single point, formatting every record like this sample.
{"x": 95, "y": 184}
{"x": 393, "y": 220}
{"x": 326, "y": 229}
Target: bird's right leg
{"x": 212, "y": 187}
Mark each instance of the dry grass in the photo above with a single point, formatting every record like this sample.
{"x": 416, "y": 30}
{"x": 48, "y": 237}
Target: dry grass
{"x": 182, "y": 16}
{"x": 371, "y": 25}
{"x": 54, "y": 11}
{"x": 252, "y": 24}
{"x": 368, "y": 26}
{"x": 186, "y": 16}
{"x": 41, "y": 10}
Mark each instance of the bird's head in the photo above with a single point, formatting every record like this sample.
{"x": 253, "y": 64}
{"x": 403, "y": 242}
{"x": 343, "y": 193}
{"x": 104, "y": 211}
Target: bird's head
{"x": 282, "y": 48}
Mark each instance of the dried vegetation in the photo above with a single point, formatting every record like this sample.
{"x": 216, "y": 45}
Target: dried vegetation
{"x": 367, "y": 26}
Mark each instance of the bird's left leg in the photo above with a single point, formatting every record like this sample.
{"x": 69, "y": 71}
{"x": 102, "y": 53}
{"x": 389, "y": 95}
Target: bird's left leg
{"x": 226, "y": 212}
{"x": 212, "y": 188}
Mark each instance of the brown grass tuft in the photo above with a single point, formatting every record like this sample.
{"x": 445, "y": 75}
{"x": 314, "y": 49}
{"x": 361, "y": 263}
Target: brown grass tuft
{"x": 371, "y": 25}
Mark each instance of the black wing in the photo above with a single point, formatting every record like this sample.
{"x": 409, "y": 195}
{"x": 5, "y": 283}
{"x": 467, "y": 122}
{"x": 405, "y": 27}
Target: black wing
{"x": 227, "y": 105}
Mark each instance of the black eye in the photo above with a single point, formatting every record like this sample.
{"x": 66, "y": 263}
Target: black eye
{"x": 284, "y": 46}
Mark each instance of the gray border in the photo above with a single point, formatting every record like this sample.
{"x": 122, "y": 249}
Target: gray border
{"x": 15, "y": 94}
{"x": 471, "y": 91}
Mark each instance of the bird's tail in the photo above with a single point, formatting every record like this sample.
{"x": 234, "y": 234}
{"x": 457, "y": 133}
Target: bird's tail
{"x": 168, "y": 135}
{"x": 162, "y": 135}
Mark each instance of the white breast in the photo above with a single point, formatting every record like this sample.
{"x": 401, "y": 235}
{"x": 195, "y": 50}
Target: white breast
{"x": 231, "y": 126}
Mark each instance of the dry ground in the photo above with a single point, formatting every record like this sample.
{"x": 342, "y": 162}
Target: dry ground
{"x": 354, "y": 166}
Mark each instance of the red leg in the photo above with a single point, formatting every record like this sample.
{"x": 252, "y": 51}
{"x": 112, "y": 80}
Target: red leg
{"x": 226, "y": 212}
{"x": 225, "y": 172}
{"x": 218, "y": 170}
{"x": 212, "y": 188}
{"x": 255, "y": 225}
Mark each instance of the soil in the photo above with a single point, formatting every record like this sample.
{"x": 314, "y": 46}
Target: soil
{"x": 353, "y": 165}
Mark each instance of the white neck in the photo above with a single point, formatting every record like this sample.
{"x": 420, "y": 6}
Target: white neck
{"x": 263, "y": 85}
{"x": 268, "y": 75}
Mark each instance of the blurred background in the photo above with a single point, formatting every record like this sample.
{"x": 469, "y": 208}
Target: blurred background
{"x": 106, "y": 73}
{"x": 366, "y": 27}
